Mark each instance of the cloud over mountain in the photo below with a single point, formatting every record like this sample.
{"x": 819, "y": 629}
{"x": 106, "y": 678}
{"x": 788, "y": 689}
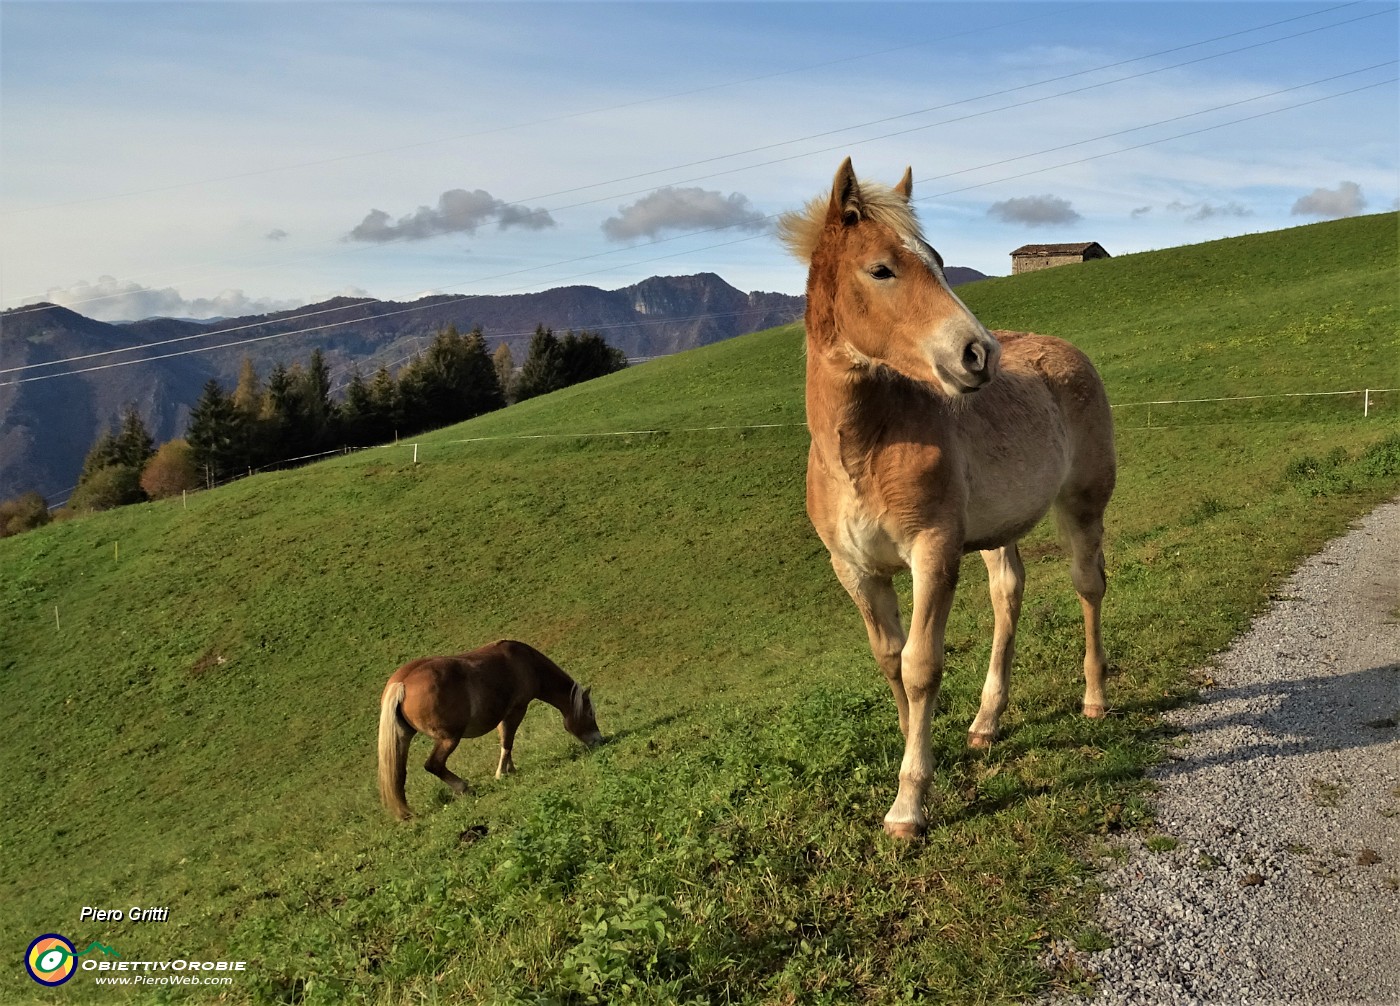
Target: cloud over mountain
{"x": 1034, "y": 211}
{"x": 112, "y": 299}
{"x": 1345, "y": 200}
{"x": 457, "y": 212}
{"x": 672, "y": 209}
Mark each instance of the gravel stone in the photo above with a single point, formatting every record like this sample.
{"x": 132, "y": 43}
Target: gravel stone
{"x": 1289, "y": 781}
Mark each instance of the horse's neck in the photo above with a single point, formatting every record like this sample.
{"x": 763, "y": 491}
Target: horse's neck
{"x": 552, "y": 685}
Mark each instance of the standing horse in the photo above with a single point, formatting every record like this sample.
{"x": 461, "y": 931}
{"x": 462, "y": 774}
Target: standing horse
{"x": 449, "y": 698}
{"x": 931, "y": 438}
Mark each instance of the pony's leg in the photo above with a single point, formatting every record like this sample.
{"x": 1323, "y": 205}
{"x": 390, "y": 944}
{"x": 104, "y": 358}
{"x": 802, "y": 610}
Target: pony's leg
{"x": 1085, "y": 533}
{"x": 879, "y": 607}
{"x": 506, "y": 729}
{"x": 935, "y": 568}
{"x": 437, "y": 763}
{"x": 1006, "y": 579}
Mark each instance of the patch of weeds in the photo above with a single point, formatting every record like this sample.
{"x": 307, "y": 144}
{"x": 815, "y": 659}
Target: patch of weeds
{"x": 1298, "y": 849}
{"x": 1326, "y": 794}
{"x": 1161, "y": 843}
{"x": 1382, "y": 460}
{"x": 1092, "y": 939}
{"x": 624, "y": 953}
{"x": 1205, "y": 861}
{"x": 1205, "y": 509}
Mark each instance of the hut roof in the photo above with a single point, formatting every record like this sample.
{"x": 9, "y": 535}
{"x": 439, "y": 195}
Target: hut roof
{"x": 1060, "y": 249}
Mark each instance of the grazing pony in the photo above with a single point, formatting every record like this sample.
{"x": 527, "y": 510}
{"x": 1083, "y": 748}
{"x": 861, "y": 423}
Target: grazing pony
{"x": 449, "y": 698}
{"x": 931, "y": 438}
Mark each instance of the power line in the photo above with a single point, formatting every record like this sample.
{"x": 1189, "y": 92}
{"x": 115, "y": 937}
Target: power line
{"x": 558, "y": 118}
{"x": 524, "y": 203}
{"x": 466, "y": 297}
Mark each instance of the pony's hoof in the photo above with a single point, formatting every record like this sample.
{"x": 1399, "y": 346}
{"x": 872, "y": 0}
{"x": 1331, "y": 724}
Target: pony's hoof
{"x": 979, "y": 739}
{"x": 1095, "y": 712}
{"x": 905, "y": 831}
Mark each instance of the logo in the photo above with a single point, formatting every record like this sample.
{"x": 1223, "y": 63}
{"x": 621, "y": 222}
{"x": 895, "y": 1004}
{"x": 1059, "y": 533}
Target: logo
{"x": 50, "y": 960}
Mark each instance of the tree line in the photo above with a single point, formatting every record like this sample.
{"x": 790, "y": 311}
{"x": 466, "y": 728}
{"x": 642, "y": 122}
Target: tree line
{"x": 291, "y": 416}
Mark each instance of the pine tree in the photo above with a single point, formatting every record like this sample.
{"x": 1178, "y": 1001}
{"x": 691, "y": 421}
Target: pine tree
{"x": 314, "y": 390}
{"x": 357, "y": 419}
{"x": 133, "y": 445}
{"x": 386, "y": 406}
{"x": 543, "y": 370}
{"x": 213, "y": 435}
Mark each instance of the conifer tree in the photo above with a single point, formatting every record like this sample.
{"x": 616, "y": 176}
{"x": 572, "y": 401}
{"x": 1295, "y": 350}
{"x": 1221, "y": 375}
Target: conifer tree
{"x": 543, "y": 369}
{"x": 213, "y": 435}
{"x": 133, "y": 445}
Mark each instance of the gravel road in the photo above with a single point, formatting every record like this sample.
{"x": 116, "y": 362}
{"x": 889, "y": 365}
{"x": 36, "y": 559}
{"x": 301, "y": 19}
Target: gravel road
{"x": 1283, "y": 799}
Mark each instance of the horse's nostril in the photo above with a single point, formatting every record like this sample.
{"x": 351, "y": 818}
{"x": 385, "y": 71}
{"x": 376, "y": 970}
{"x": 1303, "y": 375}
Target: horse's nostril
{"x": 974, "y": 356}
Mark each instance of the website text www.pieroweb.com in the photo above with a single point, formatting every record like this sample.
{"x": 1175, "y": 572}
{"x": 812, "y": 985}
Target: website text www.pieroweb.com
{"x": 53, "y": 959}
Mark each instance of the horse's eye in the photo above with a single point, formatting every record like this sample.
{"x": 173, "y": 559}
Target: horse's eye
{"x": 881, "y": 271}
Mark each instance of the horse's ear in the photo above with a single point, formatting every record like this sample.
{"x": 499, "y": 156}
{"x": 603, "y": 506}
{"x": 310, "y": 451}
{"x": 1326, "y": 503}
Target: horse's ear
{"x": 845, "y": 194}
{"x": 906, "y": 184}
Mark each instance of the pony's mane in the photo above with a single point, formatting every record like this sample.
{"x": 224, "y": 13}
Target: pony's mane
{"x": 801, "y": 230}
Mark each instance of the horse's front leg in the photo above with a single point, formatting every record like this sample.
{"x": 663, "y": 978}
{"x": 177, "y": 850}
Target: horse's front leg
{"x": 934, "y": 563}
{"x": 878, "y": 604}
{"x": 506, "y": 729}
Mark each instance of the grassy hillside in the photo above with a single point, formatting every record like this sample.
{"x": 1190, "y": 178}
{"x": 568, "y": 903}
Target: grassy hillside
{"x": 190, "y": 693}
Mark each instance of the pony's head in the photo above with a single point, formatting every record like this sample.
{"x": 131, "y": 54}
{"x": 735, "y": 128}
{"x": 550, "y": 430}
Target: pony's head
{"x": 580, "y": 719}
{"x": 876, "y": 293}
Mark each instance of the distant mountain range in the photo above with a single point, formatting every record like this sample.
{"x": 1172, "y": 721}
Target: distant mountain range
{"x": 47, "y": 426}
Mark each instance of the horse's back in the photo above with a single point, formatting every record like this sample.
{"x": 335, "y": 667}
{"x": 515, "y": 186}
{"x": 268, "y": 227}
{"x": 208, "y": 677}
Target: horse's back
{"x": 466, "y": 694}
{"x": 1073, "y": 382}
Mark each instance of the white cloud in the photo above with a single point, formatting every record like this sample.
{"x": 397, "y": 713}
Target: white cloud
{"x": 1034, "y": 211}
{"x": 1345, "y": 200}
{"x": 457, "y": 212}
{"x": 111, "y": 299}
{"x": 672, "y": 209}
{"x": 1207, "y": 211}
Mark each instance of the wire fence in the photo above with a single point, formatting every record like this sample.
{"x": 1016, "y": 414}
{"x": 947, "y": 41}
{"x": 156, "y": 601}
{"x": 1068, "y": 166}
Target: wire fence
{"x": 1369, "y": 404}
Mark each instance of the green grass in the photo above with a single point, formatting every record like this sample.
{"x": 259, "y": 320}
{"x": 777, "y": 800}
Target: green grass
{"x": 198, "y": 734}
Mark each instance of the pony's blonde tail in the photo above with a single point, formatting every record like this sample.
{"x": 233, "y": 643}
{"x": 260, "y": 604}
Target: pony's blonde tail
{"x": 394, "y": 736}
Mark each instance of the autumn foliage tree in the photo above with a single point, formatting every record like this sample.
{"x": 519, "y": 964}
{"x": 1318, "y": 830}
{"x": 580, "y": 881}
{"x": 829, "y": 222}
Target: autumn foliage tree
{"x": 171, "y": 471}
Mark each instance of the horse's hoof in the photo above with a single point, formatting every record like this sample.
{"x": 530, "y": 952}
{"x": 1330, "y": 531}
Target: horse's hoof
{"x": 979, "y": 739}
{"x": 1095, "y": 712}
{"x": 905, "y": 831}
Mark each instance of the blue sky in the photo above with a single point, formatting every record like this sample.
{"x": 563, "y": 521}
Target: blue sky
{"x": 199, "y": 159}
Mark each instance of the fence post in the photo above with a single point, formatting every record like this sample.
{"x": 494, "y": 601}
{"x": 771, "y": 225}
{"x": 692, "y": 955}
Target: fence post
{"x": 415, "y": 454}
{"x": 1366, "y": 408}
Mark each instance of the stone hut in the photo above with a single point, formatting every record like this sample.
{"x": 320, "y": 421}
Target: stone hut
{"x": 1029, "y": 258}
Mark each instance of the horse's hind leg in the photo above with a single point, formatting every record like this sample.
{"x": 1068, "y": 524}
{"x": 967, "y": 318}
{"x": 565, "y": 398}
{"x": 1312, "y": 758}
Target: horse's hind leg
{"x": 506, "y": 729}
{"x": 1006, "y": 579}
{"x": 879, "y": 607}
{"x": 1083, "y": 526}
{"x": 437, "y": 763}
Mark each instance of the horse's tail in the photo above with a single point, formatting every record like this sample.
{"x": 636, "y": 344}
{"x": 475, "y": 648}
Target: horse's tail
{"x": 394, "y": 735}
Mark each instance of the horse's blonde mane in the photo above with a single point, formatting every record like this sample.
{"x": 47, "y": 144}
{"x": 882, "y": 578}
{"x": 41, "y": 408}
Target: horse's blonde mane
{"x": 801, "y": 230}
